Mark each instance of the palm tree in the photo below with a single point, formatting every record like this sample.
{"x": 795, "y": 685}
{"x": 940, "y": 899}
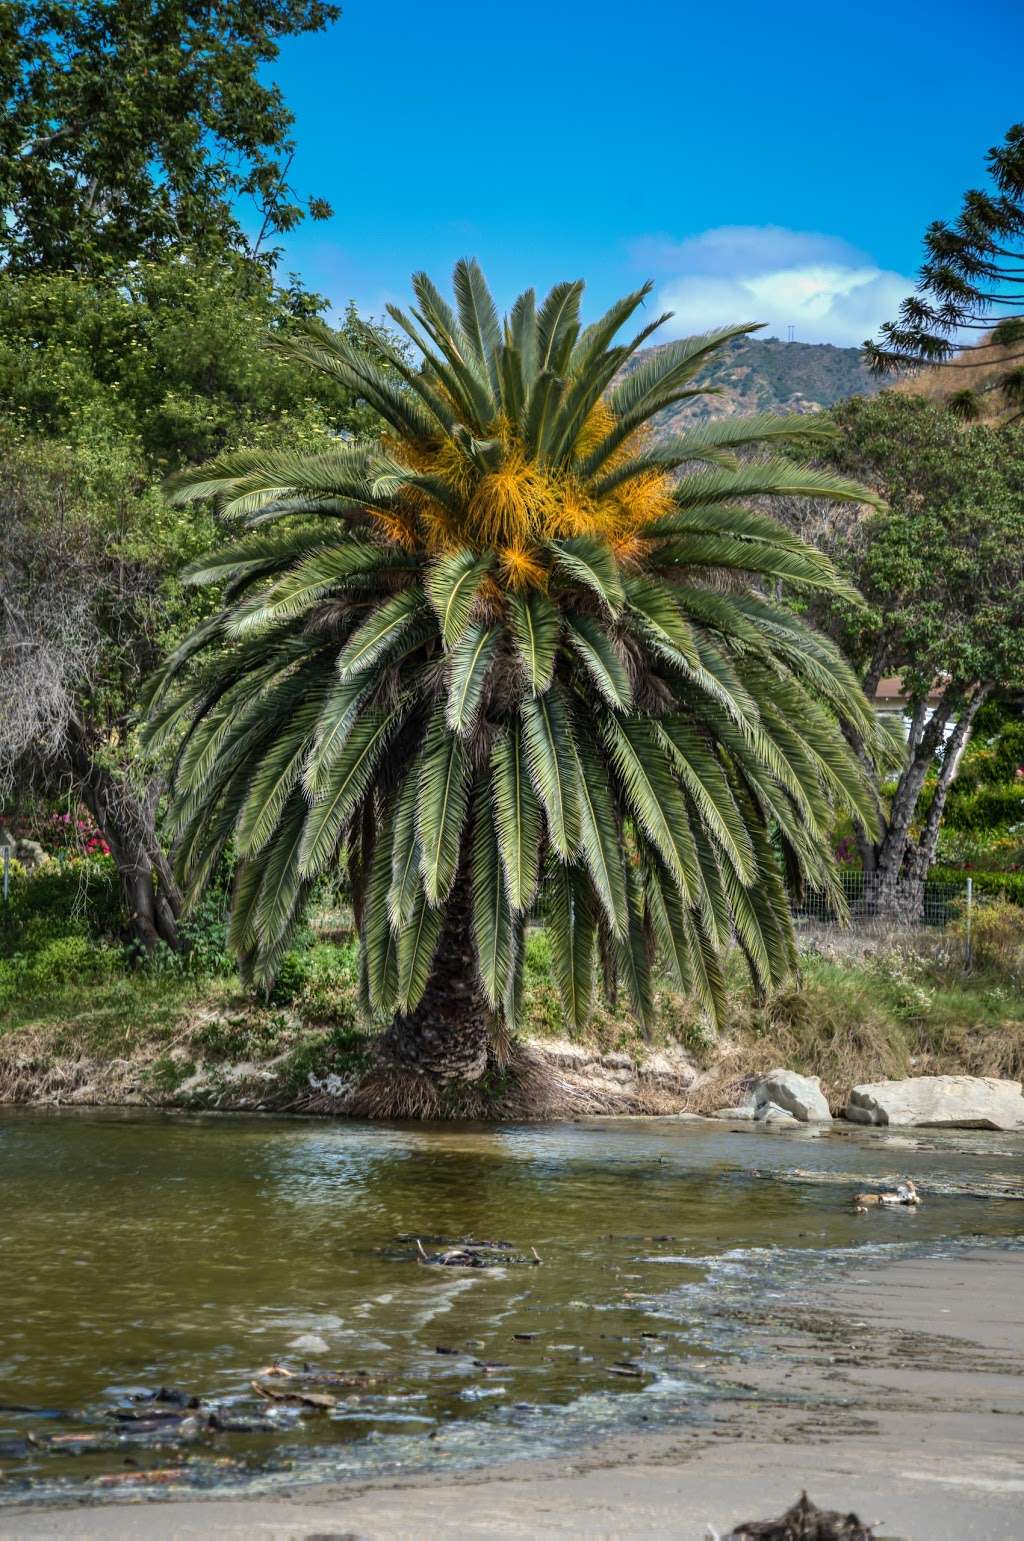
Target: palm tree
{"x": 517, "y": 657}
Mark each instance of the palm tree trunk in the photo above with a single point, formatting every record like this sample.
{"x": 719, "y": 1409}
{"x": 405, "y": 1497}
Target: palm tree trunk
{"x": 447, "y": 1037}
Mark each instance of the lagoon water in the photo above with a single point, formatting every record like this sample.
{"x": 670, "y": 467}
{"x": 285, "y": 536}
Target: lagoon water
{"x": 141, "y": 1250}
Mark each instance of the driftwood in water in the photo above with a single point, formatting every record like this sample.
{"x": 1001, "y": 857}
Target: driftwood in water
{"x": 313, "y": 1375}
{"x": 804, "y": 1522}
{"x": 471, "y": 1254}
{"x": 317, "y": 1401}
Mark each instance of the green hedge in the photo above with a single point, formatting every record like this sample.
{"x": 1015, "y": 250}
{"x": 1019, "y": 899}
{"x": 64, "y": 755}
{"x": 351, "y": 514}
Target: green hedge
{"x": 80, "y": 894}
{"x": 987, "y": 808}
{"x": 990, "y": 884}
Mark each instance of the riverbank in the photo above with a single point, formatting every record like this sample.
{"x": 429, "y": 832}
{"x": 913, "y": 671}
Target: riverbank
{"x": 899, "y": 1393}
{"x": 856, "y": 1015}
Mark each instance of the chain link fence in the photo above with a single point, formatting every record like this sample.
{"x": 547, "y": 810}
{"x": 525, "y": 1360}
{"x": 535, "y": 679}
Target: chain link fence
{"x": 879, "y": 907}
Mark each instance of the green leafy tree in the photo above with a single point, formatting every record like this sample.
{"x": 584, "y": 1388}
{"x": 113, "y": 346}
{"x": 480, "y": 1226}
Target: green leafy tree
{"x": 503, "y": 663}
{"x": 940, "y": 569}
{"x": 133, "y": 130}
{"x": 971, "y": 281}
{"x": 103, "y": 388}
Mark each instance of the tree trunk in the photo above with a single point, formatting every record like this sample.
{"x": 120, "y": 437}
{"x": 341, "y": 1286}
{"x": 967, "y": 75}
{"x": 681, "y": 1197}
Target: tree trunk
{"x": 127, "y": 824}
{"x": 923, "y": 855}
{"x": 889, "y": 853}
{"x": 896, "y": 871}
{"x": 448, "y": 1035}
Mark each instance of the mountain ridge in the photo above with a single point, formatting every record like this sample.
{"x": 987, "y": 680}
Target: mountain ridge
{"x": 765, "y": 374}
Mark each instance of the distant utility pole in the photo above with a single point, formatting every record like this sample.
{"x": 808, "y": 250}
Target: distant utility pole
{"x": 792, "y": 333}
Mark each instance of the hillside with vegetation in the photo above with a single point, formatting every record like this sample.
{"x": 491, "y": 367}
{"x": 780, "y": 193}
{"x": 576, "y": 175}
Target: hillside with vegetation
{"x": 764, "y": 374}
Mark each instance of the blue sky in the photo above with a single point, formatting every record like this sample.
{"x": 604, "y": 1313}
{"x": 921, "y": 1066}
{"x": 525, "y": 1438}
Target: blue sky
{"x": 770, "y": 163}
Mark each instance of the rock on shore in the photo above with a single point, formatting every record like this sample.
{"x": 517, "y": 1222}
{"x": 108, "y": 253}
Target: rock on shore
{"x": 940, "y": 1102}
{"x": 800, "y": 1095}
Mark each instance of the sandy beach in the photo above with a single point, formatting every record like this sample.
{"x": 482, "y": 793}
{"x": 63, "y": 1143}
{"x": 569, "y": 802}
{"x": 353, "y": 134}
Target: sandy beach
{"x": 900, "y": 1395}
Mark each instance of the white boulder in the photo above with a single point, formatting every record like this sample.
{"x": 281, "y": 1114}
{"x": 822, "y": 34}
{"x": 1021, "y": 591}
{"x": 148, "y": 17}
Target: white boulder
{"x": 940, "y": 1102}
{"x": 769, "y": 1113}
{"x": 800, "y": 1095}
{"x": 746, "y": 1111}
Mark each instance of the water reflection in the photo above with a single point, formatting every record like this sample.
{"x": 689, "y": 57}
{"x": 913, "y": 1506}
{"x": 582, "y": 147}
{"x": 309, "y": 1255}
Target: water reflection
{"x": 140, "y": 1250}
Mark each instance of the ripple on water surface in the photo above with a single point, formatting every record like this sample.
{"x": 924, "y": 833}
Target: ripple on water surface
{"x": 141, "y": 1251}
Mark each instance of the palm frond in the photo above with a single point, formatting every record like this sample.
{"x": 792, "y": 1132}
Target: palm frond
{"x": 404, "y": 881}
{"x": 386, "y": 626}
{"x": 553, "y": 767}
{"x": 441, "y": 806}
{"x": 350, "y": 776}
{"x": 596, "y": 652}
{"x": 451, "y": 587}
{"x": 417, "y": 944}
{"x": 600, "y": 837}
{"x": 471, "y": 660}
{"x": 588, "y": 561}
{"x": 493, "y": 932}
{"x": 569, "y": 912}
{"x": 517, "y": 818}
{"x": 535, "y": 627}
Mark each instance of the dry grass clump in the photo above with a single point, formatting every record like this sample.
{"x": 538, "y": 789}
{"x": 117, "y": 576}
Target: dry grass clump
{"x": 32, "y": 1069}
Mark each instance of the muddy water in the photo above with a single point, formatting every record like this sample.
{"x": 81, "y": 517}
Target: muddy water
{"x": 141, "y": 1251}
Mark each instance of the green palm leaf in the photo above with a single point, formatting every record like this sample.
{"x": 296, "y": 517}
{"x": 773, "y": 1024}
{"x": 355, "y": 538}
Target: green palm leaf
{"x": 600, "y": 841}
{"x": 317, "y": 575}
{"x": 271, "y": 782}
{"x": 471, "y": 660}
{"x": 660, "y": 618}
{"x": 633, "y": 958}
{"x": 589, "y": 561}
{"x": 380, "y": 938}
{"x": 405, "y": 852}
{"x": 388, "y": 623}
{"x": 451, "y": 587}
{"x": 569, "y": 912}
{"x": 553, "y": 767}
{"x": 517, "y": 818}
{"x": 441, "y": 807}
{"x": 350, "y": 777}
{"x": 535, "y": 626}
{"x": 656, "y": 802}
{"x": 338, "y": 712}
{"x": 417, "y": 944}
{"x": 596, "y": 652}
{"x": 493, "y": 933}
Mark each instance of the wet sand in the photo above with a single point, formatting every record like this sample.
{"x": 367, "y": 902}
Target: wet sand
{"x": 899, "y": 1394}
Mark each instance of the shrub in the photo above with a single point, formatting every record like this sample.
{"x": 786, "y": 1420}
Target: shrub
{"x": 1008, "y": 885}
{"x": 80, "y": 892}
{"x": 987, "y": 807}
{"x": 61, "y": 961}
{"x": 330, "y": 987}
{"x": 997, "y": 937}
{"x": 992, "y": 850}
{"x": 291, "y": 977}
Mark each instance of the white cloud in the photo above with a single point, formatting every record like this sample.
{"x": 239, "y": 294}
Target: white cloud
{"x": 827, "y": 290}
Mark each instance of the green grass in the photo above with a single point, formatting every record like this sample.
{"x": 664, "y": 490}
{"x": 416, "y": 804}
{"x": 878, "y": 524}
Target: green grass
{"x": 112, "y": 1016}
{"x": 847, "y": 1019}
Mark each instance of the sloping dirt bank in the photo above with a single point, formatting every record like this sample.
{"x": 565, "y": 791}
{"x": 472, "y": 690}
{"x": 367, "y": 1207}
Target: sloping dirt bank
{"x": 204, "y": 1045}
{"x": 309, "y": 1071}
{"x": 899, "y": 1394}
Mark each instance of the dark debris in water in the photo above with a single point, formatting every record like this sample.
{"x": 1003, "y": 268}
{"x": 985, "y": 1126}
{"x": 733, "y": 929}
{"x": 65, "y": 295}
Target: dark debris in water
{"x": 473, "y": 1254}
{"x": 170, "y": 1395}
